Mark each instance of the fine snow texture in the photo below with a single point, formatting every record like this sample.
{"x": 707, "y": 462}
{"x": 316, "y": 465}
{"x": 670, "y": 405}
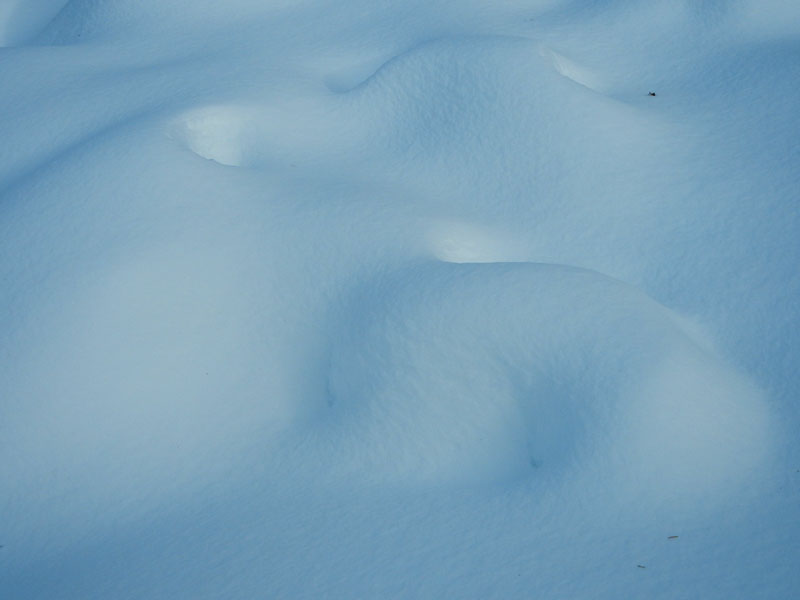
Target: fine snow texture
{"x": 376, "y": 299}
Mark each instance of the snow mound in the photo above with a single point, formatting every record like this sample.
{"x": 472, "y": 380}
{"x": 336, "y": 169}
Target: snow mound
{"x": 399, "y": 299}
{"x": 480, "y": 373}
{"x": 474, "y": 118}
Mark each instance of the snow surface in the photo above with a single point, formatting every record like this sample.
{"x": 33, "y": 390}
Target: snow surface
{"x": 377, "y": 299}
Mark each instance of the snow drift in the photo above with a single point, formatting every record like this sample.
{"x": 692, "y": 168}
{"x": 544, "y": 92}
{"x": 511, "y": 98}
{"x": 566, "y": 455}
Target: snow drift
{"x": 381, "y": 299}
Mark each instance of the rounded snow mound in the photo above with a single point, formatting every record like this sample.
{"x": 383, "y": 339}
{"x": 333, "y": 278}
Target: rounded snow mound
{"x": 502, "y": 117}
{"x": 463, "y": 91}
{"x": 485, "y": 372}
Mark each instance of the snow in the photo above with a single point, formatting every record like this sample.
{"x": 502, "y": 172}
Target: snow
{"x": 399, "y": 299}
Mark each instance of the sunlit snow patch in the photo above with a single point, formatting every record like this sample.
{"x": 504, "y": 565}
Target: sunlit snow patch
{"x": 463, "y": 242}
{"x": 257, "y": 135}
{"x": 217, "y": 133}
{"x": 572, "y": 70}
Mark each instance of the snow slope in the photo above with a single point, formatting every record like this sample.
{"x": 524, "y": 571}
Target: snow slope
{"x": 399, "y": 299}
